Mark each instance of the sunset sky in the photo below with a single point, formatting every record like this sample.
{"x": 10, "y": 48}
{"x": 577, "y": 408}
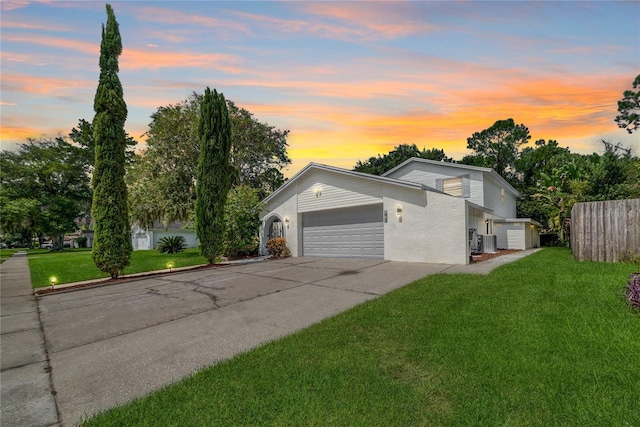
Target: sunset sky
{"x": 349, "y": 79}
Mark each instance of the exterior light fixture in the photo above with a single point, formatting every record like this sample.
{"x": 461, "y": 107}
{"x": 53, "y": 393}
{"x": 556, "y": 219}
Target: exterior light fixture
{"x": 399, "y": 212}
{"x": 286, "y": 221}
{"x": 53, "y": 280}
{"x": 318, "y": 191}
{"x": 170, "y": 266}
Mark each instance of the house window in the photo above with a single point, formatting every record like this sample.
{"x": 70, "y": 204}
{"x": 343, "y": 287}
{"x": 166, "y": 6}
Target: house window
{"x": 502, "y": 196}
{"x": 457, "y": 186}
{"x": 452, "y": 186}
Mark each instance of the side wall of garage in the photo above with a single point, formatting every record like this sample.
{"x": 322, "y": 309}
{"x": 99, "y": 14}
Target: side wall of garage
{"x": 431, "y": 227}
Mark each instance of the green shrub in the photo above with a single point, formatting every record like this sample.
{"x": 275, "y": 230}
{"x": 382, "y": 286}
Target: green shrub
{"x": 277, "y": 247}
{"x": 81, "y": 242}
{"x": 242, "y": 221}
{"x": 171, "y": 244}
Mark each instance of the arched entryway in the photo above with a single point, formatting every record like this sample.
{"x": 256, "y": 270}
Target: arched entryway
{"x": 273, "y": 228}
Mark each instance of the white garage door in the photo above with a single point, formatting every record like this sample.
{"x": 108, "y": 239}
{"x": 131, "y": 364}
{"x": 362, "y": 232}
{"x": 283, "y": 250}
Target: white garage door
{"x": 353, "y": 232}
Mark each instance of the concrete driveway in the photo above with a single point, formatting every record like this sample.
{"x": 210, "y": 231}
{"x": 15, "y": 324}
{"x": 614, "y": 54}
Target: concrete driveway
{"x": 111, "y": 344}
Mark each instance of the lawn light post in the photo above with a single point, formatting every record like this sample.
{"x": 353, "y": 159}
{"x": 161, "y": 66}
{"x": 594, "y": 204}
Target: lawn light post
{"x": 170, "y": 266}
{"x": 53, "y": 281}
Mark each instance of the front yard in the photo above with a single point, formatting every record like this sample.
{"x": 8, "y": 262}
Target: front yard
{"x": 76, "y": 265}
{"x": 542, "y": 341}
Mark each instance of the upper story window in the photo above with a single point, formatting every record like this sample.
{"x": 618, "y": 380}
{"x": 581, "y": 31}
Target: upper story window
{"x": 452, "y": 186}
{"x": 455, "y": 186}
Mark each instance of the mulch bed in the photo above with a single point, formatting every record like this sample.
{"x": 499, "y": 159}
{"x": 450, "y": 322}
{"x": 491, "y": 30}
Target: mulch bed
{"x": 486, "y": 256}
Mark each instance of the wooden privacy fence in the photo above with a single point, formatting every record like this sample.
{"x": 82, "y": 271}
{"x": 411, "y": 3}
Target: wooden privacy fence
{"x": 603, "y": 231}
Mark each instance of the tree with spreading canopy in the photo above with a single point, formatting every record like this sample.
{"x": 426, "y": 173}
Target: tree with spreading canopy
{"x": 167, "y": 167}
{"x": 629, "y": 108}
{"x": 498, "y": 147}
{"x": 44, "y": 189}
{"x": 552, "y": 180}
{"x": 213, "y": 173}
{"x": 112, "y": 241}
{"x": 385, "y": 162}
{"x": 82, "y": 135}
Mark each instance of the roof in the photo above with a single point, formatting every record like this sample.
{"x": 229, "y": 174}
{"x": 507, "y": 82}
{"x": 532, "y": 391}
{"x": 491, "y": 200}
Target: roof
{"x": 527, "y": 220}
{"x": 318, "y": 166}
{"x": 489, "y": 171}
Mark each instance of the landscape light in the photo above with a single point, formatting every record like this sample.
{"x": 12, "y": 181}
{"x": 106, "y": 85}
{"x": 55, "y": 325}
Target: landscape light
{"x": 53, "y": 281}
{"x": 170, "y": 266}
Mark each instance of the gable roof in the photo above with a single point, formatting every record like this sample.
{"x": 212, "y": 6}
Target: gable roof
{"x": 489, "y": 171}
{"x": 346, "y": 172}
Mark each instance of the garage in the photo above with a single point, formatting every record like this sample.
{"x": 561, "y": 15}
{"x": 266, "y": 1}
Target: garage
{"x": 356, "y": 232}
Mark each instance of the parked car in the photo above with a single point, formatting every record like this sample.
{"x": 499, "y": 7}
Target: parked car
{"x": 46, "y": 245}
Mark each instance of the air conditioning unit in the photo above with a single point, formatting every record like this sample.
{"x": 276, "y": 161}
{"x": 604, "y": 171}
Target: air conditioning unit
{"x": 490, "y": 243}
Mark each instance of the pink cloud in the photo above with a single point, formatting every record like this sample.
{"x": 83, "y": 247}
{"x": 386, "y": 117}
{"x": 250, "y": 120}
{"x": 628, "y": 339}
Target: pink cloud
{"x": 380, "y": 20}
{"x": 176, "y": 17}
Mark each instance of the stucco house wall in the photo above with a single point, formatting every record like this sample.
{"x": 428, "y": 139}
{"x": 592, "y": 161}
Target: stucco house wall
{"x": 430, "y": 228}
{"x": 517, "y": 233}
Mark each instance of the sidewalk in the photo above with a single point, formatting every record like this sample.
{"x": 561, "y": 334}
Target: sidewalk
{"x": 486, "y": 267}
{"x": 25, "y": 384}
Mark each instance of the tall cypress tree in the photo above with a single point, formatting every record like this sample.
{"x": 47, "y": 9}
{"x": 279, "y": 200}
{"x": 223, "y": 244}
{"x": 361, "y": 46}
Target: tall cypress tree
{"x": 213, "y": 173}
{"x": 112, "y": 234}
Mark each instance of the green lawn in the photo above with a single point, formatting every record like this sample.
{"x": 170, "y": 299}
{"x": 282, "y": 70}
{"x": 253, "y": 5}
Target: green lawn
{"x": 75, "y": 265}
{"x": 544, "y": 341}
{"x": 6, "y": 253}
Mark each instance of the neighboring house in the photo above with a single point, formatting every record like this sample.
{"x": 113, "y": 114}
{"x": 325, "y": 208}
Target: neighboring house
{"x": 420, "y": 211}
{"x": 89, "y": 235}
{"x": 145, "y": 239}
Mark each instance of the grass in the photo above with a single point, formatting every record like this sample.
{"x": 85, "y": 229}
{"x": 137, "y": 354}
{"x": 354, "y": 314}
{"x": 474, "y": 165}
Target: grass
{"x": 539, "y": 342}
{"x": 76, "y": 265}
{"x": 7, "y": 253}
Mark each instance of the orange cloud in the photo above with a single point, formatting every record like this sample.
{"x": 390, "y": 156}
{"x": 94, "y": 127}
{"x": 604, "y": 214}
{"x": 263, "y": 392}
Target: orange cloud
{"x": 12, "y": 135}
{"x": 570, "y": 110}
{"x": 30, "y": 26}
{"x": 43, "y": 85}
{"x": 58, "y": 43}
{"x": 135, "y": 59}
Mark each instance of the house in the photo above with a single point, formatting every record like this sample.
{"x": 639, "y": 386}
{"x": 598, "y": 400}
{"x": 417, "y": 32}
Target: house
{"x": 420, "y": 211}
{"x": 148, "y": 238}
